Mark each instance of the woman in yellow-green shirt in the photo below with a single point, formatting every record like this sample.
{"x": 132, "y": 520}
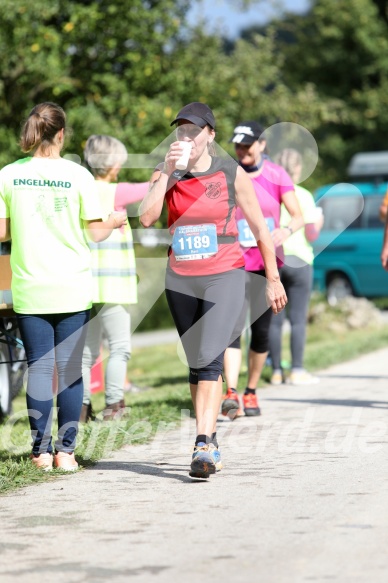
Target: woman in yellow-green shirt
{"x": 47, "y": 204}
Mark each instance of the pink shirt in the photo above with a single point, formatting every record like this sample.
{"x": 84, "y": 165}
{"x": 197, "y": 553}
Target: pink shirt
{"x": 270, "y": 186}
{"x": 128, "y": 193}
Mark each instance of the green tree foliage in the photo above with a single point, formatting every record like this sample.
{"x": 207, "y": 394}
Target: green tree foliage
{"x": 125, "y": 67}
{"x": 101, "y": 60}
{"x": 341, "y": 48}
{"x": 249, "y": 81}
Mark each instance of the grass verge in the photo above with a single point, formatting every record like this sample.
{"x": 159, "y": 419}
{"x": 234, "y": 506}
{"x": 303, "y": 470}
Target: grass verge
{"x": 160, "y": 407}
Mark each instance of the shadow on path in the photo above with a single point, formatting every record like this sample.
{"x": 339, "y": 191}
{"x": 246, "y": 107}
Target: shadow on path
{"x": 148, "y": 469}
{"x": 336, "y": 402}
{"x": 352, "y": 376}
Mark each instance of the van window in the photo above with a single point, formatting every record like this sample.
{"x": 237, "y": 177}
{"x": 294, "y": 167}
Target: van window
{"x": 370, "y": 215}
{"x": 337, "y": 209}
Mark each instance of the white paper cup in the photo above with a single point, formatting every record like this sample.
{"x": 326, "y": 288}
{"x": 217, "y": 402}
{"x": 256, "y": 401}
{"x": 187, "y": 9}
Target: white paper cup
{"x": 181, "y": 164}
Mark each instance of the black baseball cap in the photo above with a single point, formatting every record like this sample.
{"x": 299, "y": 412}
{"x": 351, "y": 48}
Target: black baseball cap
{"x": 247, "y": 132}
{"x": 198, "y": 113}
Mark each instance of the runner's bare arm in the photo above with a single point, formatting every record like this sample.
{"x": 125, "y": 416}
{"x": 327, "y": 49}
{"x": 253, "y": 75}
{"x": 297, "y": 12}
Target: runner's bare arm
{"x": 152, "y": 204}
{"x": 99, "y": 230}
{"x": 384, "y": 250}
{"x": 292, "y": 205}
{"x": 5, "y": 230}
{"x": 247, "y": 201}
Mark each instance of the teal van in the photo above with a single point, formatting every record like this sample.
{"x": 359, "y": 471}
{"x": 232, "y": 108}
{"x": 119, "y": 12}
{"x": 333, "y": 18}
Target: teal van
{"x": 347, "y": 251}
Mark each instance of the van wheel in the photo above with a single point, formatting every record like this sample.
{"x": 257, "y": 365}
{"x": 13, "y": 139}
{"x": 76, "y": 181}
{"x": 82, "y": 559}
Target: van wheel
{"x": 338, "y": 287}
{"x": 5, "y": 388}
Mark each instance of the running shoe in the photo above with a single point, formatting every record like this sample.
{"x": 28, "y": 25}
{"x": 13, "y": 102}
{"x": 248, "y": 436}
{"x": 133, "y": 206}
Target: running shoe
{"x": 251, "y": 405}
{"x": 65, "y": 461}
{"x": 277, "y": 378}
{"x": 302, "y": 377}
{"x": 87, "y": 413}
{"x": 133, "y": 388}
{"x": 44, "y": 461}
{"x": 114, "y": 411}
{"x": 231, "y": 405}
{"x": 206, "y": 460}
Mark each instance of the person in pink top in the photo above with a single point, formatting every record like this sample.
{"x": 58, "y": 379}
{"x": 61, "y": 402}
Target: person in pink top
{"x": 272, "y": 186}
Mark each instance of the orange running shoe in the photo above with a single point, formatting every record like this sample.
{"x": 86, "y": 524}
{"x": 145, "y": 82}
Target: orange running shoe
{"x": 231, "y": 405}
{"x": 251, "y": 405}
{"x": 44, "y": 461}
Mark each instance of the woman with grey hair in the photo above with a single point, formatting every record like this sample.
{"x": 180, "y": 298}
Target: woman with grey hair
{"x": 114, "y": 277}
{"x": 296, "y": 275}
{"x": 103, "y": 155}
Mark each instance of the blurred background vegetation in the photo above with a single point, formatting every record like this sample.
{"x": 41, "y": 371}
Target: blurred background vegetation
{"x": 125, "y": 67}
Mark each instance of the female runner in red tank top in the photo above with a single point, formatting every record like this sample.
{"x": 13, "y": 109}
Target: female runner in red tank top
{"x": 205, "y": 279}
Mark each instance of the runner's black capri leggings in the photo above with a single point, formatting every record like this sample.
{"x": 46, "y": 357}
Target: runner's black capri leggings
{"x": 259, "y": 313}
{"x": 205, "y": 310}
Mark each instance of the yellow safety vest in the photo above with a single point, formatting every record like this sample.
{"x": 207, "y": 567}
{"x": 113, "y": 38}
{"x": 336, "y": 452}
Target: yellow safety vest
{"x": 113, "y": 260}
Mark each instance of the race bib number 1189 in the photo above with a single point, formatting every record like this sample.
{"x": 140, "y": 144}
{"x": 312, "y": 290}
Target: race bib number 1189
{"x": 194, "y": 242}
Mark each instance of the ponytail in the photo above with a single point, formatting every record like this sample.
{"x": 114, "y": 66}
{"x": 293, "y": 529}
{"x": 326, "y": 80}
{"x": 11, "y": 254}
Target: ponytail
{"x": 289, "y": 159}
{"x": 42, "y": 125}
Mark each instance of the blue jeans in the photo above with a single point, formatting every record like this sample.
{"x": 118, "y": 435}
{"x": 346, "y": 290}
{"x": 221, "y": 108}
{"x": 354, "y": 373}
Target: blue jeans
{"x": 49, "y": 340}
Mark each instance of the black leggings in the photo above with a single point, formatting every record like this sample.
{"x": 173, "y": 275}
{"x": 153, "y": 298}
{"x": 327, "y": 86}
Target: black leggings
{"x": 205, "y": 310}
{"x": 259, "y": 314}
{"x": 297, "y": 282}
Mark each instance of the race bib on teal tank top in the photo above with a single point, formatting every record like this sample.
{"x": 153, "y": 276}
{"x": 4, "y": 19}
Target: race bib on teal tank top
{"x": 192, "y": 242}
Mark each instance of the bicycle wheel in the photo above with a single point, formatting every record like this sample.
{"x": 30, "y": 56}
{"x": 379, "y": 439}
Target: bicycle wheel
{"x": 18, "y": 366}
{"x": 5, "y": 387}
{"x": 16, "y": 355}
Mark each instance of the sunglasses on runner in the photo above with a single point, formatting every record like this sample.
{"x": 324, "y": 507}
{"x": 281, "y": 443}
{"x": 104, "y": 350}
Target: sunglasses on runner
{"x": 186, "y": 130}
